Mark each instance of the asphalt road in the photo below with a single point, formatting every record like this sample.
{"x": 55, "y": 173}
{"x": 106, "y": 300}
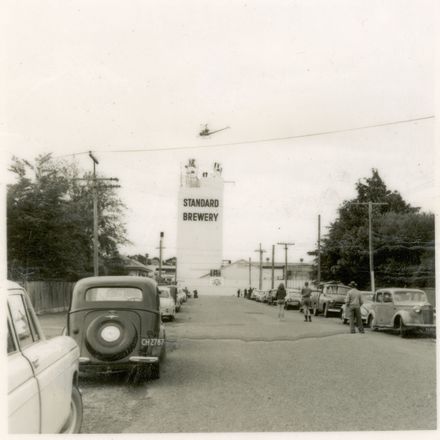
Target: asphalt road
{"x": 232, "y": 366}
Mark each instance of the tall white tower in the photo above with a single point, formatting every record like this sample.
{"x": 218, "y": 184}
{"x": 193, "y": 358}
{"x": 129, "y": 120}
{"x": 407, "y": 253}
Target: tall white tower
{"x": 199, "y": 225}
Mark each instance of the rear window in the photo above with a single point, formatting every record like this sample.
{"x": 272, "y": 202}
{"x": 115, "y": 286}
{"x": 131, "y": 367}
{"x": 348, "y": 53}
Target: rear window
{"x": 164, "y": 293}
{"x": 114, "y": 294}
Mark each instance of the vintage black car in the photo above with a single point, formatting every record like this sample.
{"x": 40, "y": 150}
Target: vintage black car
{"x": 116, "y": 323}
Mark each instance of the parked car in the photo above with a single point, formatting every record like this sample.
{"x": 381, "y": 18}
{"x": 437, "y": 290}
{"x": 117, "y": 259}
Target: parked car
{"x": 272, "y": 297}
{"x": 293, "y": 299}
{"x": 329, "y": 298}
{"x": 116, "y": 322}
{"x": 43, "y": 393}
{"x": 367, "y": 298}
{"x": 252, "y": 295}
{"x": 167, "y": 303}
{"x": 402, "y": 309}
{"x": 181, "y": 295}
{"x": 259, "y": 295}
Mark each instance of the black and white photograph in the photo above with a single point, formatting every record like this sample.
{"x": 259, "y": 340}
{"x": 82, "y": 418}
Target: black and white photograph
{"x": 218, "y": 218}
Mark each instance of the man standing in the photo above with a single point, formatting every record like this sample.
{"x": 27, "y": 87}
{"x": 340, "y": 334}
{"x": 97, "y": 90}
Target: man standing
{"x": 306, "y": 293}
{"x": 354, "y": 301}
{"x": 281, "y": 294}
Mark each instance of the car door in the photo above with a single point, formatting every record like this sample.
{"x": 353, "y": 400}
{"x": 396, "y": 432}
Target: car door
{"x": 23, "y": 392}
{"x": 53, "y": 362}
{"x": 377, "y": 307}
{"x": 387, "y": 309}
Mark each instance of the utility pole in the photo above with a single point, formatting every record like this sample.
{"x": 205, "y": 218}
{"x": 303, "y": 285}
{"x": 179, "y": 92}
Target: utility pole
{"x": 286, "y": 246}
{"x": 95, "y": 211}
{"x": 250, "y": 273}
{"x": 160, "y": 255}
{"x": 260, "y": 280}
{"x": 370, "y": 237}
{"x": 319, "y": 249}
{"x": 273, "y": 267}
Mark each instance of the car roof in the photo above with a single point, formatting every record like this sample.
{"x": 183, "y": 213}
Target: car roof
{"x": 12, "y": 285}
{"x": 398, "y": 289}
{"x": 142, "y": 283}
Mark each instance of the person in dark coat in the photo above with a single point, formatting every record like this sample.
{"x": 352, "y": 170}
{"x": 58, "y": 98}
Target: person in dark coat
{"x": 281, "y": 295}
{"x": 306, "y": 293}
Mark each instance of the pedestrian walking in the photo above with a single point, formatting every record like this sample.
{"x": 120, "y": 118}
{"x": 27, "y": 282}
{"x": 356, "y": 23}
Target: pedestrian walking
{"x": 238, "y": 293}
{"x": 353, "y": 302}
{"x": 281, "y": 295}
{"x": 245, "y": 293}
{"x": 306, "y": 293}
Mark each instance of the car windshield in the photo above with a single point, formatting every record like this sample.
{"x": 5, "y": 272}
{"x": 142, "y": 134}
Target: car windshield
{"x": 367, "y": 296}
{"x": 164, "y": 293}
{"x": 114, "y": 293}
{"x": 410, "y": 297}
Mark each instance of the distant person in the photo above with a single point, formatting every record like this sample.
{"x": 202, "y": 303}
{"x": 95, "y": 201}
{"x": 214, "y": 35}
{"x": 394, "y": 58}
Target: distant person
{"x": 196, "y": 294}
{"x": 353, "y": 300}
{"x": 245, "y": 293}
{"x": 306, "y": 293}
{"x": 251, "y": 289}
{"x": 238, "y": 293}
{"x": 281, "y": 295}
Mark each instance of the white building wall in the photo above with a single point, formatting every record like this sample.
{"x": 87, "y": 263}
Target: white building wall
{"x": 199, "y": 228}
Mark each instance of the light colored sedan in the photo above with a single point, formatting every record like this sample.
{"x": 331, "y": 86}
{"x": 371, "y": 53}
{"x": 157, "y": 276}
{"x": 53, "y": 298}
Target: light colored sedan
{"x": 167, "y": 303}
{"x": 43, "y": 394}
{"x": 365, "y": 308}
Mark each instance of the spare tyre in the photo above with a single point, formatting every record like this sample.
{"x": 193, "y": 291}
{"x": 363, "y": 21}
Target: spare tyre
{"x": 111, "y": 339}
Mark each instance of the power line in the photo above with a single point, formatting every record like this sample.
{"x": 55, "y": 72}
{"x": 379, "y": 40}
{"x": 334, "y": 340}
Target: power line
{"x": 254, "y": 141}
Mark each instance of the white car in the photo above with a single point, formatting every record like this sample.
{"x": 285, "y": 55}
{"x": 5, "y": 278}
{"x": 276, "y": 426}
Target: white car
{"x": 167, "y": 303}
{"x": 43, "y": 394}
{"x": 181, "y": 295}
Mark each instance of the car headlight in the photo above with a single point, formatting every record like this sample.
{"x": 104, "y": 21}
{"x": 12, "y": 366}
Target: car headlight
{"x": 416, "y": 309}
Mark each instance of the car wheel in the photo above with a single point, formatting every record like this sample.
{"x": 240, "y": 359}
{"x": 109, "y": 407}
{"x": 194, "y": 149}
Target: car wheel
{"x": 139, "y": 374}
{"x": 155, "y": 371}
{"x": 325, "y": 311}
{"x": 163, "y": 353}
{"x": 403, "y": 331}
{"x": 74, "y": 421}
{"x": 344, "y": 320}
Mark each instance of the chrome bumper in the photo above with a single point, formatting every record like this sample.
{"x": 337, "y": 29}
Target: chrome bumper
{"x": 144, "y": 359}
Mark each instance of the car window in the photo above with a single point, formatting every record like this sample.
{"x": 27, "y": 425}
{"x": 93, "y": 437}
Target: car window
{"x": 164, "y": 293}
{"x": 387, "y": 298}
{"x": 114, "y": 293}
{"x": 11, "y": 343}
{"x": 20, "y": 320}
{"x": 379, "y": 297}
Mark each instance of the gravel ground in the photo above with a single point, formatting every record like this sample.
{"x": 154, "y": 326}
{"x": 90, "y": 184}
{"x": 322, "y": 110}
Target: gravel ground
{"x": 232, "y": 366}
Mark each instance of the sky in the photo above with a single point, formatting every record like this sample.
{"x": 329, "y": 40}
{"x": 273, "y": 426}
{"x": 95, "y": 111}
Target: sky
{"x": 115, "y": 77}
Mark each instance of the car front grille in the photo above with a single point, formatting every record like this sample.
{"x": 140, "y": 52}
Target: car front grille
{"x": 428, "y": 316}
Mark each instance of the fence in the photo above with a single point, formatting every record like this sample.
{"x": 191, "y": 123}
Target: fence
{"x": 50, "y": 296}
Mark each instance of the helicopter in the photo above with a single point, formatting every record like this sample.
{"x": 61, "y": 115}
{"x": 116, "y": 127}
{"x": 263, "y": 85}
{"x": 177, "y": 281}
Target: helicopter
{"x": 207, "y": 132}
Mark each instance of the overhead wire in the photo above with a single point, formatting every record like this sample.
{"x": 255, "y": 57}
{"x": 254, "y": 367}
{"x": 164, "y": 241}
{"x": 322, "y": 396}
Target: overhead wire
{"x": 254, "y": 141}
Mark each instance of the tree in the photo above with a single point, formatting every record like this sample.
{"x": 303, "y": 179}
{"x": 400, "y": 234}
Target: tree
{"x": 403, "y": 240}
{"x": 50, "y": 221}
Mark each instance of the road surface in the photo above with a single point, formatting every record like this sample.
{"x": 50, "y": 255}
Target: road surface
{"x": 233, "y": 366}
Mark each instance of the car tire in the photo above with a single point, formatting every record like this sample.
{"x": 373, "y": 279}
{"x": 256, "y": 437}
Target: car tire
{"x": 325, "y": 311}
{"x": 155, "y": 371}
{"x": 74, "y": 421}
{"x": 403, "y": 331}
{"x": 344, "y": 321}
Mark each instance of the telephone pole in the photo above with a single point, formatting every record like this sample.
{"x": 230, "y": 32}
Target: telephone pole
{"x": 273, "y": 267}
{"x": 95, "y": 210}
{"x": 370, "y": 237}
{"x": 250, "y": 273}
{"x": 286, "y": 246}
{"x": 160, "y": 255}
{"x": 260, "y": 280}
{"x": 319, "y": 249}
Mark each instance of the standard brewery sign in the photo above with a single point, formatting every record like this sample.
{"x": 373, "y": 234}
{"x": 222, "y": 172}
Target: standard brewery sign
{"x": 200, "y": 216}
